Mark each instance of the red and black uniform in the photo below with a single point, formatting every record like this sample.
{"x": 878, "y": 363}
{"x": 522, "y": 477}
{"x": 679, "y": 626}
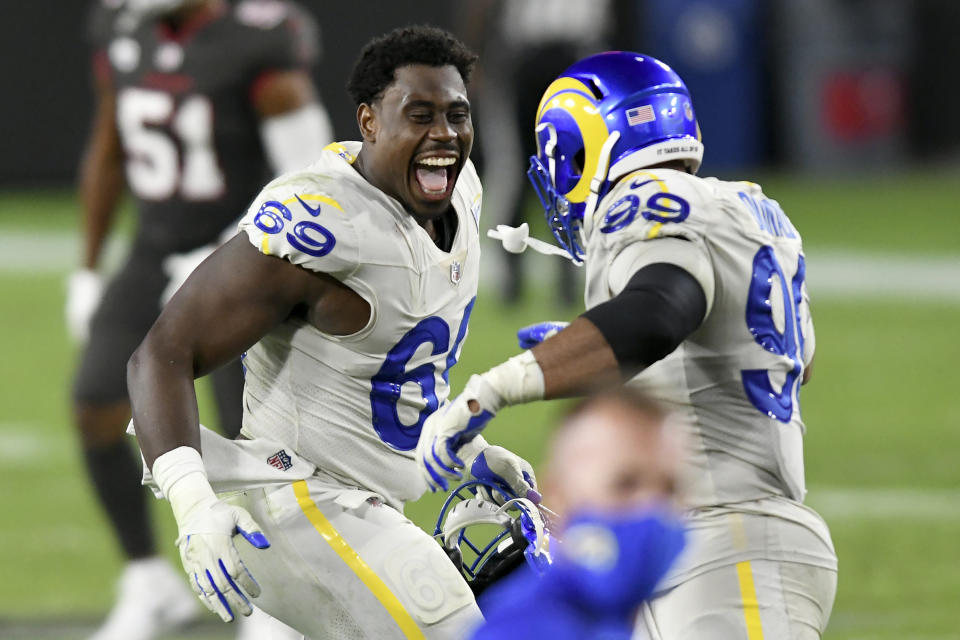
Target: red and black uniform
{"x": 192, "y": 152}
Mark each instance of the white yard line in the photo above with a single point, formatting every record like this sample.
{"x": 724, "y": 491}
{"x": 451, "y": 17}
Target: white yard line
{"x": 831, "y": 274}
{"x": 48, "y": 252}
{"x": 851, "y": 503}
{"x": 21, "y": 442}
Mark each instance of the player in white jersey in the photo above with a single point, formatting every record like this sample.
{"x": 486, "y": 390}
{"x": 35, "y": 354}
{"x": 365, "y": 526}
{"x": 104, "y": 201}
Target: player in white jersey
{"x": 695, "y": 292}
{"x": 349, "y": 286}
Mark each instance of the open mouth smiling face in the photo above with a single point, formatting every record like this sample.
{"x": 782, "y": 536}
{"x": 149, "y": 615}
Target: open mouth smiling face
{"x": 424, "y": 134}
{"x": 435, "y": 175}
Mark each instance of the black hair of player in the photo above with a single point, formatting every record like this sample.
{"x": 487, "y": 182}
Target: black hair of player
{"x": 375, "y": 69}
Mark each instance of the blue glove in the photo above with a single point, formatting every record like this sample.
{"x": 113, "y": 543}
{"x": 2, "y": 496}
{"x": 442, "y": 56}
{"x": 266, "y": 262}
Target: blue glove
{"x": 449, "y": 428}
{"x": 500, "y": 467}
{"x": 534, "y": 334}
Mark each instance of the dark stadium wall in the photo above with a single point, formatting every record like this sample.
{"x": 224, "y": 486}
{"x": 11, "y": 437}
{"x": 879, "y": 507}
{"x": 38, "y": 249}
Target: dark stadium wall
{"x": 47, "y": 101}
{"x": 46, "y": 97}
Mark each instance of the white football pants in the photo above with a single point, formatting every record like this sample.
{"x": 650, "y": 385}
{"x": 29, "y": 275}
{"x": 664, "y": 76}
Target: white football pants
{"x": 751, "y": 600}
{"x": 342, "y": 564}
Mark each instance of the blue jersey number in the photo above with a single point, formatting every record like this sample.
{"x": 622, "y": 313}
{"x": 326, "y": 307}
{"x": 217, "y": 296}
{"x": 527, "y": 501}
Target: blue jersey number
{"x": 307, "y": 236}
{"x": 660, "y": 207}
{"x": 393, "y": 374}
{"x": 789, "y": 343}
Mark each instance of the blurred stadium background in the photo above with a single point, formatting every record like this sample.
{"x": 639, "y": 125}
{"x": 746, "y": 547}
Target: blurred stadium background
{"x": 846, "y": 111}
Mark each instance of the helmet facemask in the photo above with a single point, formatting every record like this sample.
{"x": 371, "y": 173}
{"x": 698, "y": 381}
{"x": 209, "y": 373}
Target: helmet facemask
{"x": 501, "y": 537}
{"x": 563, "y": 218}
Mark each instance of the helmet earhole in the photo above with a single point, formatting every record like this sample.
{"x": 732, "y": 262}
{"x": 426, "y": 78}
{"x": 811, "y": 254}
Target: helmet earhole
{"x": 579, "y": 160}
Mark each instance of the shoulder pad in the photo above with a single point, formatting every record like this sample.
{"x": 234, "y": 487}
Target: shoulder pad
{"x": 295, "y": 217}
{"x": 655, "y": 203}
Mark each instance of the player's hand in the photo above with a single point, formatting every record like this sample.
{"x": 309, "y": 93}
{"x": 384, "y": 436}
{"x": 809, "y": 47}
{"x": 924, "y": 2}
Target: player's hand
{"x": 500, "y": 467}
{"x": 212, "y": 562}
{"x": 531, "y": 336}
{"x": 207, "y": 528}
{"x": 450, "y": 427}
{"x": 84, "y": 291}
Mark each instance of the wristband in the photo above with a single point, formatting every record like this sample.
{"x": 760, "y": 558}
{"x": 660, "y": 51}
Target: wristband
{"x": 517, "y": 381}
{"x": 182, "y": 479}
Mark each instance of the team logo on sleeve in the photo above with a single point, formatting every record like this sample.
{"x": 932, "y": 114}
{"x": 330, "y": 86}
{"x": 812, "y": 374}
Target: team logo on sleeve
{"x": 280, "y": 460}
{"x": 456, "y": 272}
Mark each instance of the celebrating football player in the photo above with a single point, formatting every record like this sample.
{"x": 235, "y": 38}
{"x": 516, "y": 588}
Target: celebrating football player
{"x": 194, "y": 98}
{"x": 349, "y": 287}
{"x": 695, "y": 291}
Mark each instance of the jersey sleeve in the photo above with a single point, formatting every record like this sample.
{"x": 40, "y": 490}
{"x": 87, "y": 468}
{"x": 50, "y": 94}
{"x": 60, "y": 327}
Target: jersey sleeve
{"x": 806, "y": 321}
{"x": 659, "y": 219}
{"x": 301, "y": 221}
{"x": 282, "y": 36}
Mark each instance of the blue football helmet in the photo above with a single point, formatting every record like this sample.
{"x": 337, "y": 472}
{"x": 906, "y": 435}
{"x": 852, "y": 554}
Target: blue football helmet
{"x": 602, "y": 118}
{"x": 513, "y": 529}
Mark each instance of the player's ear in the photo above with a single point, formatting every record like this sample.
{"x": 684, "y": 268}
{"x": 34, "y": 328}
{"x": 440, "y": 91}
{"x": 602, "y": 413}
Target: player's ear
{"x": 367, "y": 119}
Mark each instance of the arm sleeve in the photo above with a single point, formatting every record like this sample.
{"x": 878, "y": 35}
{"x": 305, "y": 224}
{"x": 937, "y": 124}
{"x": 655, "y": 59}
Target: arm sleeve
{"x": 688, "y": 255}
{"x": 660, "y": 306}
{"x": 295, "y": 139}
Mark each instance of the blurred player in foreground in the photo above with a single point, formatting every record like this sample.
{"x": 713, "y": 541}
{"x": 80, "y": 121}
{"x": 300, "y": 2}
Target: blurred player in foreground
{"x": 349, "y": 287}
{"x": 695, "y": 292}
{"x": 612, "y": 472}
{"x": 193, "y": 98}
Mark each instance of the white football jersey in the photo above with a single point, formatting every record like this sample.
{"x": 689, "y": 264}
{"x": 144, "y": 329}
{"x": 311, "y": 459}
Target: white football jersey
{"x": 354, "y": 405}
{"x": 735, "y": 381}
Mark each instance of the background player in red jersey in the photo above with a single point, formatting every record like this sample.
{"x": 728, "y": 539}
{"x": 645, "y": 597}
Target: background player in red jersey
{"x": 198, "y": 102}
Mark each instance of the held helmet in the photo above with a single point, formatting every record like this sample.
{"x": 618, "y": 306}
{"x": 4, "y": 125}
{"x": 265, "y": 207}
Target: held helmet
{"x": 505, "y": 532}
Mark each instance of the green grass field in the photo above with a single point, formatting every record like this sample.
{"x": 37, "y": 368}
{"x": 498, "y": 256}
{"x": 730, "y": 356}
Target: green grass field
{"x": 882, "y": 412}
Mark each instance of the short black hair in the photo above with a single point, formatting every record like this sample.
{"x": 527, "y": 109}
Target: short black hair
{"x": 375, "y": 69}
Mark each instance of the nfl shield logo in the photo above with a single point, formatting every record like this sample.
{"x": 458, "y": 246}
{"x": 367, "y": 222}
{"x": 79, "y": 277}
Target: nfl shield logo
{"x": 280, "y": 460}
{"x": 456, "y": 271}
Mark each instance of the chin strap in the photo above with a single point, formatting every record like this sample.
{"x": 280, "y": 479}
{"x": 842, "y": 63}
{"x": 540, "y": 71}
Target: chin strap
{"x": 517, "y": 239}
{"x": 603, "y": 166}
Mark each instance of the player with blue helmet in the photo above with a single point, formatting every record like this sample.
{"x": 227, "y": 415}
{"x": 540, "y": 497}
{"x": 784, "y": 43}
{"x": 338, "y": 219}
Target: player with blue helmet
{"x": 695, "y": 292}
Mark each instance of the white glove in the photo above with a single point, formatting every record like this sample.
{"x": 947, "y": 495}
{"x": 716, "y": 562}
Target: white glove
{"x": 207, "y": 527}
{"x": 515, "y": 381}
{"x": 84, "y": 291}
{"x": 450, "y": 427}
{"x": 509, "y": 472}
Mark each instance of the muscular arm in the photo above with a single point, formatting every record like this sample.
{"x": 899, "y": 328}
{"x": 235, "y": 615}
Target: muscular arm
{"x": 658, "y": 308}
{"x": 575, "y": 360}
{"x": 661, "y": 305}
{"x": 232, "y": 299}
{"x": 101, "y": 175}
